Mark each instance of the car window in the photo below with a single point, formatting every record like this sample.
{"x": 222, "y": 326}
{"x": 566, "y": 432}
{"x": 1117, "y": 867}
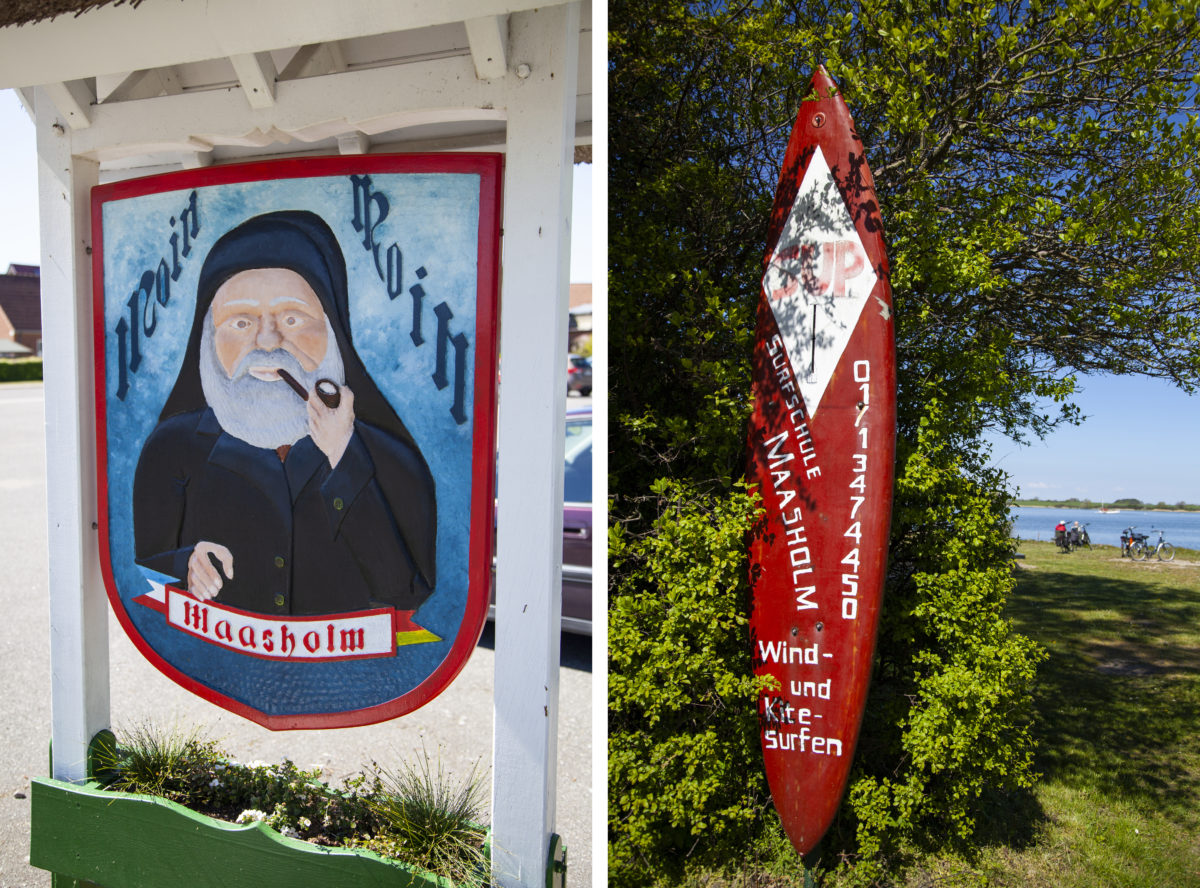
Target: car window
{"x": 577, "y": 468}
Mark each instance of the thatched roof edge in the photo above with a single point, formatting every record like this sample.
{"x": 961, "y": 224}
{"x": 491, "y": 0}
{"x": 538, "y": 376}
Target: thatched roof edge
{"x": 28, "y": 12}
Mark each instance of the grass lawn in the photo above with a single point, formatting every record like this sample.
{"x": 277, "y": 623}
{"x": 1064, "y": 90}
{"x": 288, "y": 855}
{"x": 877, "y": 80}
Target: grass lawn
{"x": 1118, "y": 727}
{"x": 1118, "y": 730}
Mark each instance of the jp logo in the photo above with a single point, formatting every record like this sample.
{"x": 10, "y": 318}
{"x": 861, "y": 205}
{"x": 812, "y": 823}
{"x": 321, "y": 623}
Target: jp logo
{"x": 822, "y": 269}
{"x": 817, "y": 280}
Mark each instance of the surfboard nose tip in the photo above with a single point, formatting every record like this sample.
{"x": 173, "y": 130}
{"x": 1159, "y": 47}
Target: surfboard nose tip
{"x": 822, "y": 83}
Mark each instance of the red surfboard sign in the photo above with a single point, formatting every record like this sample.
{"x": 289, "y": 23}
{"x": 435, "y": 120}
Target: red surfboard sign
{"x": 822, "y": 446}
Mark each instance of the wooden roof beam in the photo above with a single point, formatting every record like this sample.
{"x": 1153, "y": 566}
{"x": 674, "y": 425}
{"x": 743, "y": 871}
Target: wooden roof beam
{"x": 25, "y": 94}
{"x": 314, "y": 60}
{"x": 488, "y": 37}
{"x": 375, "y": 101}
{"x": 144, "y": 84}
{"x": 74, "y": 100}
{"x": 256, "y": 73}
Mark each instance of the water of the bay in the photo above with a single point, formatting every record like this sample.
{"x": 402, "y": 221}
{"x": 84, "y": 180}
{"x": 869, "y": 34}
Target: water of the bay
{"x": 1037, "y": 523}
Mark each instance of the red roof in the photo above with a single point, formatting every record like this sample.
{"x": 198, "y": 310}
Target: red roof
{"x": 581, "y": 294}
{"x": 20, "y": 298}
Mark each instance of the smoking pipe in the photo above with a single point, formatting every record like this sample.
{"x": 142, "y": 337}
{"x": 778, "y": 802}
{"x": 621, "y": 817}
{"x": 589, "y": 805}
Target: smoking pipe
{"x": 327, "y": 389}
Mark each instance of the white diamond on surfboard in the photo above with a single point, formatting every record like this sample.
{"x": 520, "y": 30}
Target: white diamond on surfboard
{"x": 818, "y": 280}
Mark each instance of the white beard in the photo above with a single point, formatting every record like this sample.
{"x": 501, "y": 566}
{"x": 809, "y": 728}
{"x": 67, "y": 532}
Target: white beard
{"x": 261, "y": 413}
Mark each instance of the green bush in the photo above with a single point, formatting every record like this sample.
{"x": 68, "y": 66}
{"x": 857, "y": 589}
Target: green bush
{"x": 20, "y": 370}
{"x": 947, "y": 726}
{"x": 946, "y": 732}
{"x": 685, "y": 776}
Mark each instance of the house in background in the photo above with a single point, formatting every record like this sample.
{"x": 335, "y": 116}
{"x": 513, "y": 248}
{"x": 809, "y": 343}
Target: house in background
{"x": 20, "y": 311}
{"x": 579, "y": 335}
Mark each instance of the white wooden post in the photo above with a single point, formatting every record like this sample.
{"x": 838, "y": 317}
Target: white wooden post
{"x": 78, "y": 608}
{"x": 533, "y": 345}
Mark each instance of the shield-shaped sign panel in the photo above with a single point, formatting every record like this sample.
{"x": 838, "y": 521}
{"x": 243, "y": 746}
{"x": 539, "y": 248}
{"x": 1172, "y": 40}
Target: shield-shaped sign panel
{"x": 295, "y": 393}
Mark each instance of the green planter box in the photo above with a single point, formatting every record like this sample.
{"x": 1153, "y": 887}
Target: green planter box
{"x": 87, "y": 835}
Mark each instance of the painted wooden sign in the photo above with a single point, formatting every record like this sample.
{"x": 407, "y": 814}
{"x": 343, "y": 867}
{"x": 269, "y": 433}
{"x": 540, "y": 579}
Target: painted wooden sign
{"x": 295, "y": 391}
{"x": 822, "y": 445}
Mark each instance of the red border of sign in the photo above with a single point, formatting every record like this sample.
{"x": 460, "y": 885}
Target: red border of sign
{"x": 489, "y": 168}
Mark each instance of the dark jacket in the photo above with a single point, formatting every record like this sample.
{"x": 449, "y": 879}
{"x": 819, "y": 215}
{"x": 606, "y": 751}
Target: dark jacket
{"x": 305, "y": 539}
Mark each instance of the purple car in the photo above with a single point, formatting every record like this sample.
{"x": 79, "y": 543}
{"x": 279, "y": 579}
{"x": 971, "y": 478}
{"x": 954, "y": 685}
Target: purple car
{"x": 577, "y": 526}
{"x": 579, "y": 375}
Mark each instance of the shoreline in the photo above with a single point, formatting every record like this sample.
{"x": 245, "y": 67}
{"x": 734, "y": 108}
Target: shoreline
{"x": 1195, "y": 511}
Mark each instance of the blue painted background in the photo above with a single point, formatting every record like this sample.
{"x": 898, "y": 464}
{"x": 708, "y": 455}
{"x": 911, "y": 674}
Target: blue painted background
{"x": 434, "y": 220}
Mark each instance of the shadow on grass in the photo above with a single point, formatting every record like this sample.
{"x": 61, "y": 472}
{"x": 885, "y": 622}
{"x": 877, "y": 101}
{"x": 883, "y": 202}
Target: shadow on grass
{"x": 1009, "y": 819}
{"x": 1118, "y": 700}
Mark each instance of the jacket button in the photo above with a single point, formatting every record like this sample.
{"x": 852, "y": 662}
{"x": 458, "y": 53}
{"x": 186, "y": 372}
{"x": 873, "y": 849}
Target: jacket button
{"x": 279, "y": 601}
{"x": 279, "y": 562}
{"x": 338, "y": 504}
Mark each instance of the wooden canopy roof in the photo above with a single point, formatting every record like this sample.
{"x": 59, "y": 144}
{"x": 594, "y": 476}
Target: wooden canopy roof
{"x": 427, "y": 75}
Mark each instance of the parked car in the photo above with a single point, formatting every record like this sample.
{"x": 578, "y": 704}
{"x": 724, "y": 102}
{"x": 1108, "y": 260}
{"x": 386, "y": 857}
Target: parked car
{"x": 577, "y": 526}
{"x": 579, "y": 375}
{"x": 577, "y": 521}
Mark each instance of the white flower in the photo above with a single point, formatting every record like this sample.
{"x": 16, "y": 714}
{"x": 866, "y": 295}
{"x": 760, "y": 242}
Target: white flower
{"x": 251, "y": 814}
{"x": 290, "y": 832}
{"x": 214, "y": 782}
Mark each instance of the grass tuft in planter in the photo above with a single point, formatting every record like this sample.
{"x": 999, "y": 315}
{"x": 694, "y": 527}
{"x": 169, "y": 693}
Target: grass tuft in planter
{"x": 161, "y": 763}
{"x": 427, "y": 821}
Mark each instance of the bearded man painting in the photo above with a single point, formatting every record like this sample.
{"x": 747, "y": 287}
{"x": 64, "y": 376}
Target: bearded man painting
{"x": 261, "y": 500}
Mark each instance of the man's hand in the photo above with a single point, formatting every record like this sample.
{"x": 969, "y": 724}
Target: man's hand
{"x": 329, "y": 427}
{"x": 204, "y": 581}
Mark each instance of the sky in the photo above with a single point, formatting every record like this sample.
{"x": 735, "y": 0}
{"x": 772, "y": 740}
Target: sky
{"x": 18, "y": 185}
{"x": 1140, "y": 439}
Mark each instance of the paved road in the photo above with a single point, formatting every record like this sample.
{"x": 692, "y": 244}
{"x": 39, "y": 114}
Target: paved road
{"x": 456, "y": 725}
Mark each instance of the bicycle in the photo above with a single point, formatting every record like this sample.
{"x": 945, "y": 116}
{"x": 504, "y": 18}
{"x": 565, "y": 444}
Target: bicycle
{"x": 1141, "y": 549}
{"x": 1070, "y": 540}
{"x": 1080, "y": 539}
